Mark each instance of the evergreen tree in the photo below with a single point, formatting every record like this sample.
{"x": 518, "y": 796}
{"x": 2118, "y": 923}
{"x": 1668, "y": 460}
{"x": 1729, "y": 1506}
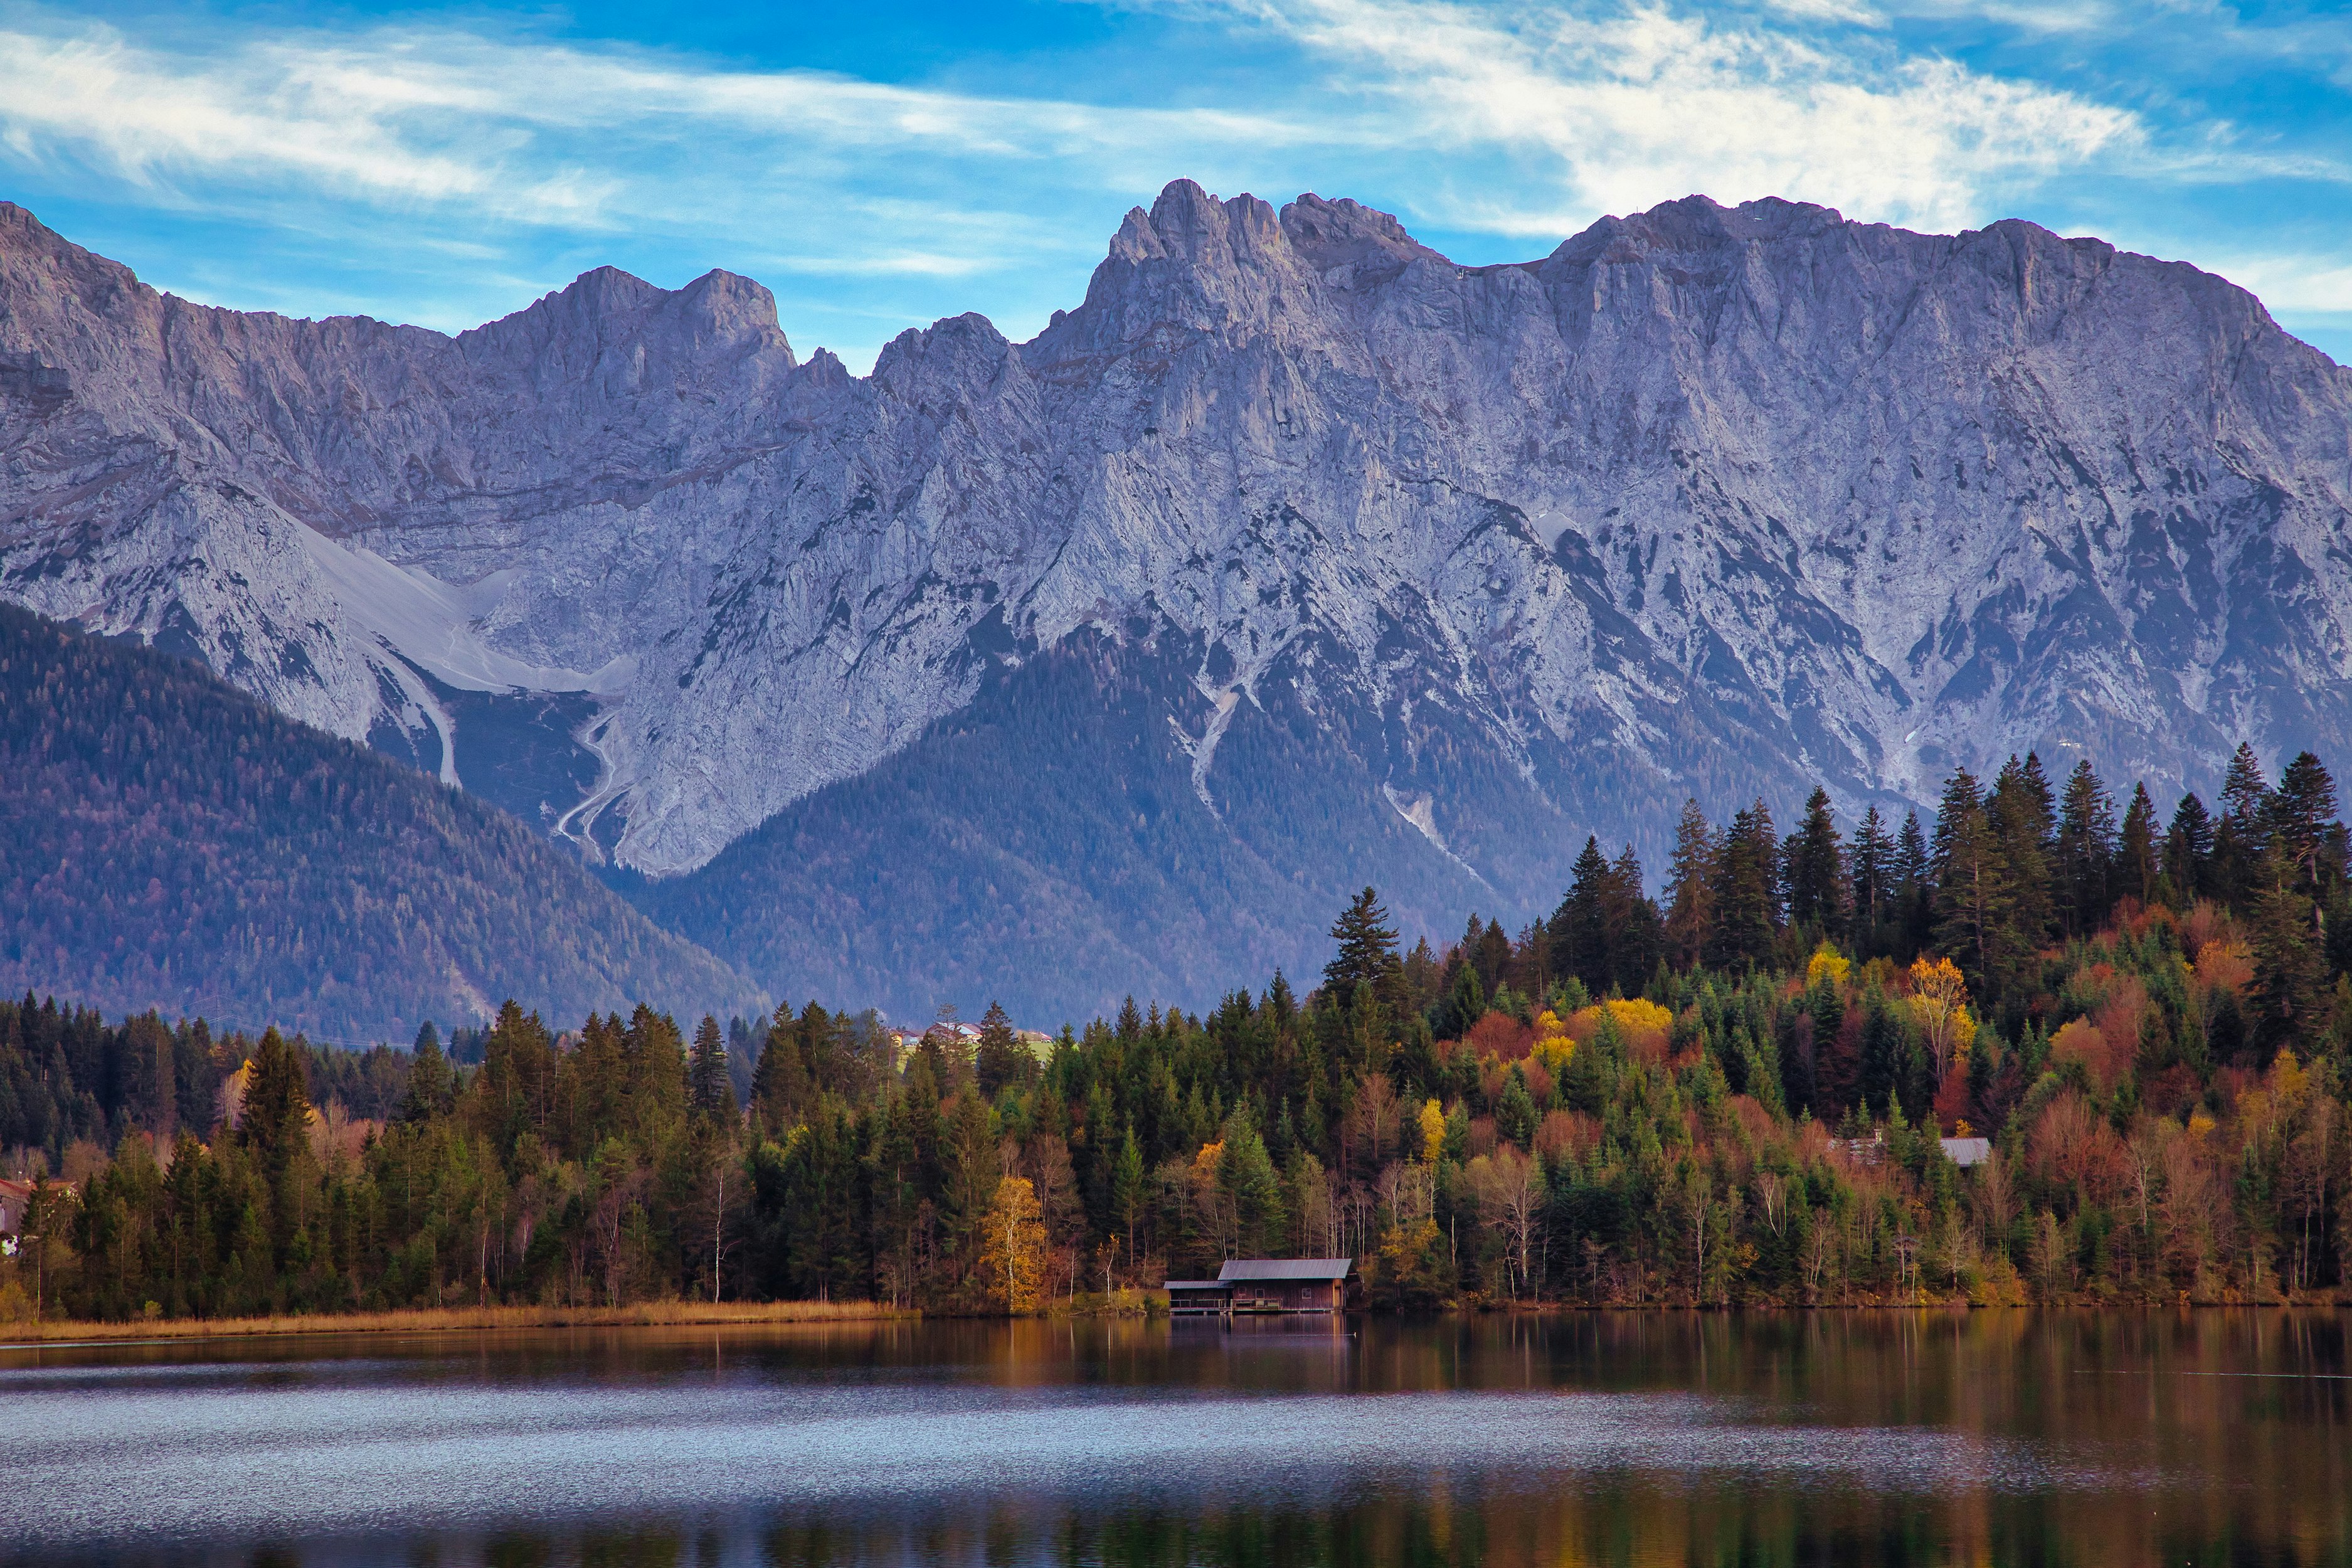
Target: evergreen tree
{"x": 709, "y": 1088}
{"x": 2135, "y": 861}
{"x": 2302, "y": 827}
{"x": 1638, "y": 939}
{"x": 1746, "y": 893}
{"x": 276, "y": 1116}
{"x": 1816, "y": 871}
{"x": 1974, "y": 903}
{"x": 2085, "y": 854}
{"x": 1690, "y": 890}
{"x": 2242, "y": 834}
{"x": 2019, "y": 813}
{"x": 1872, "y": 874}
{"x": 1000, "y": 1058}
{"x": 2188, "y": 850}
{"x": 1914, "y": 886}
{"x": 1579, "y": 927}
{"x": 430, "y": 1083}
{"x": 1367, "y": 954}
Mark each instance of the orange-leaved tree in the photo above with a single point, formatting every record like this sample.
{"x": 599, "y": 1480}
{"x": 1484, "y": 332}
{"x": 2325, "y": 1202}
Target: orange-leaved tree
{"x": 1015, "y": 1248}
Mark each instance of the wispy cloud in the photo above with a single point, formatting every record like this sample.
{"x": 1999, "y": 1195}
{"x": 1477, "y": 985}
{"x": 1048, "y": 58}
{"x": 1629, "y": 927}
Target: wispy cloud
{"x": 450, "y": 167}
{"x": 1621, "y": 109}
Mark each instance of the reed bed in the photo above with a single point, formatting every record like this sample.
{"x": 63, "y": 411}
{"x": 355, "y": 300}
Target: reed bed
{"x": 459, "y": 1319}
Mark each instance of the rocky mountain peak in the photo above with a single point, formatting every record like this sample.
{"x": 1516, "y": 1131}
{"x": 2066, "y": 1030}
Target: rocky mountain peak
{"x": 1390, "y": 569}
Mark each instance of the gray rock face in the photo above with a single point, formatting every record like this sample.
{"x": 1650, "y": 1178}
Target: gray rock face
{"x": 1708, "y": 501}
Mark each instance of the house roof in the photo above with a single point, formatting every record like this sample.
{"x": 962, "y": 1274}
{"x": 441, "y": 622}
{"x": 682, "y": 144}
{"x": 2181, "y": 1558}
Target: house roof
{"x": 1251, "y": 1268}
{"x": 1967, "y": 1151}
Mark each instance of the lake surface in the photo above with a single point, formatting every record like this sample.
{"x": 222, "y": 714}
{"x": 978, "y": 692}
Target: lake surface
{"x": 2197, "y": 1436}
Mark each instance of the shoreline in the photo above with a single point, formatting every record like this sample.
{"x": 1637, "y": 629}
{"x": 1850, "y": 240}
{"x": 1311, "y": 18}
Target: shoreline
{"x": 454, "y": 1320}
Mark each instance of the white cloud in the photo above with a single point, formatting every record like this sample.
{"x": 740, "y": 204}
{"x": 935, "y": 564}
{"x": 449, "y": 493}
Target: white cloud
{"x": 1645, "y": 103}
{"x": 2292, "y": 285}
{"x": 558, "y": 134}
{"x": 469, "y": 166}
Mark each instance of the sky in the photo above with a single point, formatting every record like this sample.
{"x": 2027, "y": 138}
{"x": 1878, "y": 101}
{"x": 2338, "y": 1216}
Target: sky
{"x": 884, "y": 163}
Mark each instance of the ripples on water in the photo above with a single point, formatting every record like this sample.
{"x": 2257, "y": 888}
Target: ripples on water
{"x": 1658, "y": 1438}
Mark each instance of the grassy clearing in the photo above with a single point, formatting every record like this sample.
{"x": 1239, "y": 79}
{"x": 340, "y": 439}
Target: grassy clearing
{"x": 460, "y": 1320}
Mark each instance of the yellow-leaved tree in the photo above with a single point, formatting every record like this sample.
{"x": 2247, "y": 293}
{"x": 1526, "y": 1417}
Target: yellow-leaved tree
{"x": 1827, "y": 964}
{"x": 1016, "y": 1256}
{"x": 1432, "y": 1132}
{"x": 1554, "y": 1046}
{"x": 1939, "y": 1000}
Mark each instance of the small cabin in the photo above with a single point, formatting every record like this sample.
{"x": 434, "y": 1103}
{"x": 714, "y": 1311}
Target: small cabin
{"x": 1266, "y": 1285}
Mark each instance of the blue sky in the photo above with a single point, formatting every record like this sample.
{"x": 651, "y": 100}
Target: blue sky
{"x": 882, "y": 164}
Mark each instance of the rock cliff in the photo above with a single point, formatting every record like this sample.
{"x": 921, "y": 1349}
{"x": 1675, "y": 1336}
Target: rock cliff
{"x": 1467, "y": 561}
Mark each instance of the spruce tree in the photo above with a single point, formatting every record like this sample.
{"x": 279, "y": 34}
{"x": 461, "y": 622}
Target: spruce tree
{"x": 709, "y": 1088}
{"x": 1367, "y": 954}
{"x": 2083, "y": 861}
{"x": 1579, "y": 927}
{"x": 2188, "y": 850}
{"x": 1000, "y": 1059}
{"x": 275, "y": 1120}
{"x": 1690, "y": 894}
{"x": 1637, "y": 940}
{"x": 1872, "y": 864}
{"x": 2136, "y": 862}
{"x": 2018, "y": 810}
{"x": 2302, "y": 814}
{"x": 1816, "y": 871}
{"x": 429, "y": 1080}
{"x": 1746, "y": 894}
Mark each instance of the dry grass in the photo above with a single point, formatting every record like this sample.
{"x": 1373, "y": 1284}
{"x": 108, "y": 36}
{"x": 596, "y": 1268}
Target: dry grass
{"x": 461, "y": 1320}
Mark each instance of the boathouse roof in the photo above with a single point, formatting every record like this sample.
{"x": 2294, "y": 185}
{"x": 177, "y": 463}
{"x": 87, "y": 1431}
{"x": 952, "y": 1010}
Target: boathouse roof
{"x": 1241, "y": 1268}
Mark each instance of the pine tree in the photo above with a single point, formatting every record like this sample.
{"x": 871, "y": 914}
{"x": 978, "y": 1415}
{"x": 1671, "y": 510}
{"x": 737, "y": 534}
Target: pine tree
{"x": 1915, "y": 887}
{"x": 1745, "y": 885}
{"x": 709, "y": 1088}
{"x": 2018, "y": 810}
{"x": 1637, "y": 935}
{"x": 1690, "y": 893}
{"x": 1367, "y": 954}
{"x": 1974, "y": 904}
{"x": 1579, "y": 927}
{"x": 429, "y": 1080}
{"x": 1000, "y": 1059}
{"x": 2188, "y": 850}
{"x": 2083, "y": 860}
{"x": 1816, "y": 871}
{"x": 276, "y": 1110}
{"x": 1871, "y": 879}
{"x": 2301, "y": 813}
{"x": 2240, "y": 836}
{"x": 2136, "y": 864}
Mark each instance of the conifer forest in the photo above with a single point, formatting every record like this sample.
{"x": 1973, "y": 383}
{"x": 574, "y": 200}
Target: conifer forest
{"x": 1737, "y": 1091}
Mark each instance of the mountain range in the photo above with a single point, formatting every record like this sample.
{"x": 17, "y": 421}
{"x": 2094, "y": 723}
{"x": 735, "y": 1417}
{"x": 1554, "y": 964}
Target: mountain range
{"x": 1295, "y": 557}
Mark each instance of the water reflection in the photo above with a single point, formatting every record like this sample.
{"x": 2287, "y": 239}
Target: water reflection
{"x": 1891, "y": 1439}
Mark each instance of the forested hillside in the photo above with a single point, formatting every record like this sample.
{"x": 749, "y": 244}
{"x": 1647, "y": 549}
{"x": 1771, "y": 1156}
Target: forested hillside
{"x": 1736, "y": 1093}
{"x": 168, "y": 842}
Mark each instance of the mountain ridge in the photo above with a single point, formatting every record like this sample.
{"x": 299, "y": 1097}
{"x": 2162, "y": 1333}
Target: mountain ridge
{"x": 1707, "y": 500}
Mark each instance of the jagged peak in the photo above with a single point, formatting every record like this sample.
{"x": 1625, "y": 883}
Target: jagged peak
{"x": 966, "y": 342}
{"x": 1369, "y": 244}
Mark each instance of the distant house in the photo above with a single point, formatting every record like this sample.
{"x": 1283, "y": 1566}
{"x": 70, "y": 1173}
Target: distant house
{"x": 1266, "y": 1285}
{"x": 1967, "y": 1151}
{"x": 14, "y": 1197}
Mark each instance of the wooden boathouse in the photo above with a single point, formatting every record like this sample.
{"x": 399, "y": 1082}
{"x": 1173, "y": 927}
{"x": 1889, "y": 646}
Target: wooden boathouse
{"x": 1254, "y": 1284}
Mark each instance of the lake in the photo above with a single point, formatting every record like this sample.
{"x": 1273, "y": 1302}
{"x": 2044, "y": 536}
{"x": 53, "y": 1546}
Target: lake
{"x": 1867, "y": 1437}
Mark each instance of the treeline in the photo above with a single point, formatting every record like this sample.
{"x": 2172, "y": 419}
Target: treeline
{"x": 1737, "y": 1091}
